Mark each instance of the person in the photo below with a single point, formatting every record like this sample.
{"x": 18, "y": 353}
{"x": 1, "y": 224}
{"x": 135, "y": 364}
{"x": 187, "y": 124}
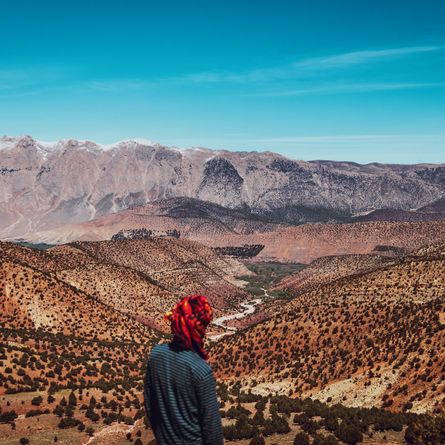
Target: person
{"x": 179, "y": 387}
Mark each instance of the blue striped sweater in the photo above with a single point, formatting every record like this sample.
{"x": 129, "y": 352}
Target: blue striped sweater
{"x": 180, "y": 398}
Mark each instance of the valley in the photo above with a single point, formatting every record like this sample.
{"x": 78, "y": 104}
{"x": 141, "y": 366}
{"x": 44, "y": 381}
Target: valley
{"x": 326, "y": 279}
{"x": 340, "y": 331}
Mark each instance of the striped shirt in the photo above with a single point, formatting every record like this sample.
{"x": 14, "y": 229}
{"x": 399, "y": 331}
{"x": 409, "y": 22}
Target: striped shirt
{"x": 180, "y": 398}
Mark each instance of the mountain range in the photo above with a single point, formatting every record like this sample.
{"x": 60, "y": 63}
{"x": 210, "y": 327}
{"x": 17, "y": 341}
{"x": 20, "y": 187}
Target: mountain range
{"x": 45, "y": 186}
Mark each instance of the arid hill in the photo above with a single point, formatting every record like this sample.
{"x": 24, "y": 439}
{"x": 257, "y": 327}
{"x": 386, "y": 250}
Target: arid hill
{"x": 374, "y": 338}
{"x": 178, "y": 266}
{"x": 300, "y": 244}
{"x": 326, "y": 269}
{"x": 159, "y": 270}
{"x": 193, "y": 218}
{"x": 55, "y": 334}
{"x": 58, "y": 343}
{"x": 34, "y": 300}
{"x": 72, "y": 351}
{"x": 74, "y": 336}
{"x": 307, "y": 242}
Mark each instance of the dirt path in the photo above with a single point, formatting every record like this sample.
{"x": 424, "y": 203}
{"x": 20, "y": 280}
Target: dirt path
{"x": 249, "y": 308}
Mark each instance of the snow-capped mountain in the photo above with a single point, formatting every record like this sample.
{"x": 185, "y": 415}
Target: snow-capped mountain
{"x": 46, "y": 185}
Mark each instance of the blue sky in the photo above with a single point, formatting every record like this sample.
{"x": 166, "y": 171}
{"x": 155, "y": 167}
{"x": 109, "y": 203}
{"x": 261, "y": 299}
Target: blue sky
{"x": 314, "y": 79}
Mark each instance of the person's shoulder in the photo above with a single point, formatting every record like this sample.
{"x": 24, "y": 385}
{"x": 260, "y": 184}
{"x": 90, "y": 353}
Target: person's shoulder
{"x": 200, "y": 368}
{"x": 161, "y": 348}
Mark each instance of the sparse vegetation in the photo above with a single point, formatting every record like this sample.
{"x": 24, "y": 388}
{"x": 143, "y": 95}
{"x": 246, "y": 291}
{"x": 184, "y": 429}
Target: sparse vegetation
{"x": 72, "y": 359}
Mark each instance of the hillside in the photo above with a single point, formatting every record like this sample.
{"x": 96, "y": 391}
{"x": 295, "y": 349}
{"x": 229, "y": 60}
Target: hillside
{"x": 178, "y": 266}
{"x": 326, "y": 269}
{"x": 50, "y": 320}
{"x": 372, "y": 338}
{"x": 307, "y": 242}
{"x": 71, "y": 360}
{"x": 76, "y": 328}
{"x": 193, "y": 218}
{"x": 59, "y": 343}
{"x": 159, "y": 270}
{"x": 33, "y": 300}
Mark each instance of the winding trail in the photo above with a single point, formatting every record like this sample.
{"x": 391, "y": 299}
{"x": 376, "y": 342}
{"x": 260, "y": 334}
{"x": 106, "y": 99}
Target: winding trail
{"x": 249, "y": 308}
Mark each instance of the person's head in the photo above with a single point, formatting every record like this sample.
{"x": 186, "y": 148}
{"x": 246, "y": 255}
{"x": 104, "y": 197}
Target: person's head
{"x": 188, "y": 320}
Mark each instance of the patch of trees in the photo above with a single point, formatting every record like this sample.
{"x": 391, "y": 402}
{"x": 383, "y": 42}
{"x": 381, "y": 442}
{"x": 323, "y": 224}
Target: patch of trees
{"x": 346, "y": 425}
{"x": 426, "y": 430}
{"x": 144, "y": 233}
{"x": 8, "y": 416}
{"x": 245, "y": 251}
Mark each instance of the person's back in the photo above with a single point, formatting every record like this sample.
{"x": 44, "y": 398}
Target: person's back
{"x": 180, "y": 393}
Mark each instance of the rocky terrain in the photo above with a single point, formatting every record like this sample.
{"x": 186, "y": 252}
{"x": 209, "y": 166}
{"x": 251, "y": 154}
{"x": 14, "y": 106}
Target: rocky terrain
{"x": 41, "y": 190}
{"x": 77, "y": 322}
{"x": 346, "y": 263}
{"x": 218, "y": 227}
{"x": 159, "y": 270}
{"x": 434, "y": 211}
{"x": 371, "y": 338}
{"x": 352, "y": 332}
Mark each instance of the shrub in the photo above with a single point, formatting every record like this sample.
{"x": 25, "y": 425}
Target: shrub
{"x": 72, "y": 400}
{"x": 36, "y": 401}
{"x": 426, "y": 430}
{"x": 68, "y": 422}
{"x": 90, "y": 431}
{"x": 36, "y": 412}
{"x": 329, "y": 440}
{"x": 349, "y": 433}
{"x": 301, "y": 439}
{"x": 8, "y": 416}
{"x": 257, "y": 440}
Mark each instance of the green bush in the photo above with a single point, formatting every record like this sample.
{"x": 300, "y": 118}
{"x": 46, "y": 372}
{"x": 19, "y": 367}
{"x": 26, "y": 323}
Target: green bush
{"x": 301, "y": 439}
{"x": 36, "y": 401}
{"x": 257, "y": 440}
{"x": 349, "y": 433}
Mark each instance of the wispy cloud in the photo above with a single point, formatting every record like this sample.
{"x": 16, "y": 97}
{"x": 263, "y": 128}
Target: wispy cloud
{"x": 26, "y": 81}
{"x": 358, "y": 57}
{"x": 353, "y": 88}
{"x": 16, "y": 79}
{"x": 120, "y": 84}
{"x": 305, "y": 67}
{"x": 299, "y": 69}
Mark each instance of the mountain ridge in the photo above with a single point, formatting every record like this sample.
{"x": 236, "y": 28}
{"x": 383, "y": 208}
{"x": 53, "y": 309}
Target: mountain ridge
{"x": 48, "y": 185}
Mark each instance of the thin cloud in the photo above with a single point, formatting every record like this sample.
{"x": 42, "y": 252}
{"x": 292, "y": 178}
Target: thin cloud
{"x": 359, "y": 57}
{"x": 120, "y": 84}
{"x": 298, "y": 69}
{"x": 307, "y": 66}
{"x": 16, "y": 79}
{"x": 352, "y": 88}
{"x": 54, "y": 78}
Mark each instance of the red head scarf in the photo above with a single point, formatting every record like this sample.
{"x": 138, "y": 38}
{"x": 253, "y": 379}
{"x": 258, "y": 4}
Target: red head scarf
{"x": 189, "y": 319}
